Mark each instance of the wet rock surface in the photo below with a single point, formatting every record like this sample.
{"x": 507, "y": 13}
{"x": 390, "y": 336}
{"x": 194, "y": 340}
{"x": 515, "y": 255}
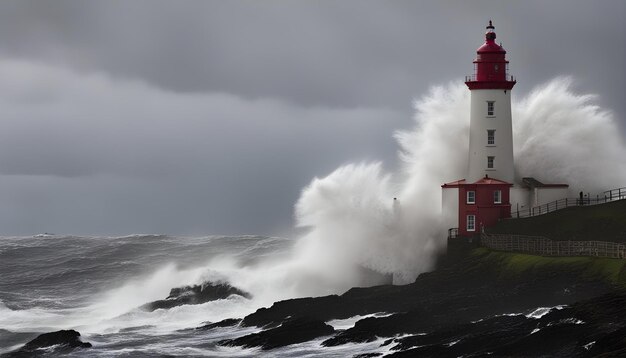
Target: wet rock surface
{"x": 471, "y": 308}
{"x": 584, "y": 329}
{"x": 229, "y": 322}
{"x": 59, "y": 342}
{"x": 195, "y": 295}
{"x": 290, "y": 332}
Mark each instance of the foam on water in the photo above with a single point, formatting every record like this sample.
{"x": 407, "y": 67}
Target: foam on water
{"x": 342, "y": 324}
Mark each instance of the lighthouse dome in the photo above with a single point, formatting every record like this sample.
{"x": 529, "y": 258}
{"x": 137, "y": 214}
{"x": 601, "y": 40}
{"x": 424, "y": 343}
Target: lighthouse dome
{"x": 490, "y": 46}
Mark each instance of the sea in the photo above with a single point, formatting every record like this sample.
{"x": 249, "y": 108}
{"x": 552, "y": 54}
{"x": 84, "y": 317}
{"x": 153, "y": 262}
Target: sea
{"x": 95, "y": 285}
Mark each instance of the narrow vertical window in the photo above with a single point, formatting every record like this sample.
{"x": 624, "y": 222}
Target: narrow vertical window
{"x": 497, "y": 197}
{"x": 471, "y": 197}
{"x": 490, "y": 162}
{"x": 490, "y": 108}
{"x": 491, "y": 136}
{"x": 471, "y": 223}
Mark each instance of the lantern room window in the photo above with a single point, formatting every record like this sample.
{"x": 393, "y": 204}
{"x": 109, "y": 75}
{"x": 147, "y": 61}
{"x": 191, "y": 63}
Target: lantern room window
{"x": 490, "y": 108}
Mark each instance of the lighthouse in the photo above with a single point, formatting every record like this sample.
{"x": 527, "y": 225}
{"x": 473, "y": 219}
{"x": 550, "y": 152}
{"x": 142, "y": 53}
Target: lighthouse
{"x": 491, "y": 190}
{"x": 491, "y": 131}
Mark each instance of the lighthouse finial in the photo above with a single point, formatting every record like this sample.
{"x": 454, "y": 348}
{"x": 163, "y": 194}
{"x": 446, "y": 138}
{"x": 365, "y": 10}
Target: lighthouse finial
{"x": 490, "y": 35}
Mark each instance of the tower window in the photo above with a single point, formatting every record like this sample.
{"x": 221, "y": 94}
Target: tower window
{"x": 497, "y": 197}
{"x": 491, "y": 136}
{"x": 471, "y": 222}
{"x": 471, "y": 197}
{"x": 490, "y": 108}
{"x": 490, "y": 162}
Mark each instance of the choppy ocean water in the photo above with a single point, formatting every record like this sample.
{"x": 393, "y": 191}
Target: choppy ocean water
{"x": 96, "y": 284}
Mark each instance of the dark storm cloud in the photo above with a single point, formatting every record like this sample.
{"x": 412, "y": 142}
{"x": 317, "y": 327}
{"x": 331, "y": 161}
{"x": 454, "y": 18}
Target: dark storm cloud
{"x": 348, "y": 53}
{"x": 209, "y": 116}
{"x": 88, "y": 154}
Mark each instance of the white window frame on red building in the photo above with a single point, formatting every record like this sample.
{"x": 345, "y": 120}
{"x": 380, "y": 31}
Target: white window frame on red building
{"x": 471, "y": 219}
{"x": 470, "y": 197}
{"x": 497, "y": 197}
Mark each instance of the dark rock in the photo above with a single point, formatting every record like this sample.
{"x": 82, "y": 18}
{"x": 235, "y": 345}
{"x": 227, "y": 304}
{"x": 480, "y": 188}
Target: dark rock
{"x": 223, "y": 323}
{"x": 195, "y": 295}
{"x": 62, "y": 342}
{"x": 594, "y": 327}
{"x": 290, "y": 332}
{"x": 445, "y": 302}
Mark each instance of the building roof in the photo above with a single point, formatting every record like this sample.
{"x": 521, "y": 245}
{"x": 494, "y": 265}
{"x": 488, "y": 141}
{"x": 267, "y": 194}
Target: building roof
{"x": 454, "y": 184}
{"x": 482, "y": 181}
{"x": 534, "y": 183}
{"x": 491, "y": 181}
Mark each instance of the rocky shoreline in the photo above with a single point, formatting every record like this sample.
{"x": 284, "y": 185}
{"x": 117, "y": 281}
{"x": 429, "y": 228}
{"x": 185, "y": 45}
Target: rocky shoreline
{"x": 470, "y": 308}
{"x": 484, "y": 303}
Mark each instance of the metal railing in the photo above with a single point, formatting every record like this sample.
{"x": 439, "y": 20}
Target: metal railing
{"x": 507, "y": 78}
{"x": 605, "y": 197}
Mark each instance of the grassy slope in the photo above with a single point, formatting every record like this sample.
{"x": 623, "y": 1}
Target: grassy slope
{"x": 612, "y": 271}
{"x": 605, "y": 222}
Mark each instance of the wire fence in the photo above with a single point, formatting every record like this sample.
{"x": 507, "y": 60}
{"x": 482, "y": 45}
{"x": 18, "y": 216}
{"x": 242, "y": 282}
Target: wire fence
{"x": 539, "y": 245}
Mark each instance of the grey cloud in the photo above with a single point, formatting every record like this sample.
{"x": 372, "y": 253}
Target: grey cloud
{"x": 96, "y": 155}
{"x": 348, "y": 53}
{"x": 210, "y": 116}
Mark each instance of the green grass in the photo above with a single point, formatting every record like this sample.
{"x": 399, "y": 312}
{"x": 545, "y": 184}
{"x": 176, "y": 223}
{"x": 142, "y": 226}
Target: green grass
{"x": 604, "y": 222}
{"x": 514, "y": 264}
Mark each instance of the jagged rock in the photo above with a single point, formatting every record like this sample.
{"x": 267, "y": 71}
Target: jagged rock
{"x": 62, "y": 341}
{"x": 223, "y": 323}
{"x": 469, "y": 290}
{"x": 290, "y": 332}
{"x": 590, "y": 328}
{"x": 195, "y": 295}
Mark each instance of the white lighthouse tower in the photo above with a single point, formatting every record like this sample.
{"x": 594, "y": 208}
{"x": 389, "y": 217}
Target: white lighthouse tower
{"x": 491, "y": 134}
{"x": 491, "y": 191}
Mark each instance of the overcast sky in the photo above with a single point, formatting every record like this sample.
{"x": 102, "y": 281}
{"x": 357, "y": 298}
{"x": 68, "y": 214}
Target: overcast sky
{"x": 209, "y": 117}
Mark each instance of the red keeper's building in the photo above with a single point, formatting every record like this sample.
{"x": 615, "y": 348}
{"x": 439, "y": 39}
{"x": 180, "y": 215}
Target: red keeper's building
{"x": 480, "y": 204}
